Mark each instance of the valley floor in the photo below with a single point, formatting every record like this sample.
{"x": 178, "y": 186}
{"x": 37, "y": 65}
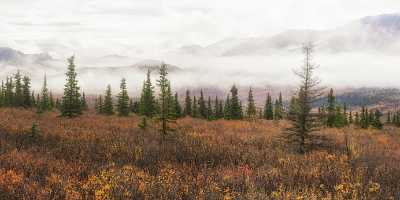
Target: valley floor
{"x": 100, "y": 157}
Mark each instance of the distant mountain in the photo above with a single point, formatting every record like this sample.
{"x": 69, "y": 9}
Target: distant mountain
{"x": 388, "y": 23}
{"x": 153, "y": 65}
{"x": 385, "y": 98}
{"x": 380, "y": 32}
{"x": 14, "y": 57}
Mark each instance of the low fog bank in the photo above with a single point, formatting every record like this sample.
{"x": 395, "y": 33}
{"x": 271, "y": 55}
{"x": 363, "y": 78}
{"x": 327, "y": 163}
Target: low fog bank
{"x": 340, "y": 70}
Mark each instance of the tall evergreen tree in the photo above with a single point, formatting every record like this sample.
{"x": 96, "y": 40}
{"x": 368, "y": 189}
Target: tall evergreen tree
{"x": 123, "y": 100}
{"x": 44, "y": 103}
{"x": 251, "y": 106}
{"x": 210, "y": 113}
{"x": 51, "y": 100}
{"x": 278, "y": 109}
{"x": 177, "y": 106}
{"x": 26, "y": 91}
{"x": 170, "y": 101}
{"x": 100, "y": 105}
{"x": 195, "y": 109}
{"x": 202, "y": 105}
{"x": 227, "y": 108}
{"x": 84, "y": 102}
{"x": 33, "y": 99}
{"x": 364, "y": 118}
{"x": 331, "y": 109}
{"x": 9, "y": 92}
{"x": 376, "y": 121}
{"x": 58, "y": 104}
{"x": 134, "y": 106}
{"x": 389, "y": 117}
{"x": 71, "y": 105}
{"x": 268, "y": 108}
{"x": 147, "y": 99}
{"x": 357, "y": 119}
{"x": 2, "y": 91}
{"x": 188, "y": 104}
{"x": 218, "y": 108}
{"x": 165, "y": 115}
{"x": 235, "y": 105}
{"x": 351, "y": 120}
{"x": 304, "y": 122}
{"x": 108, "y": 107}
{"x": 18, "y": 95}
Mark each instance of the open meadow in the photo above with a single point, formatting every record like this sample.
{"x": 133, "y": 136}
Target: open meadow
{"x": 109, "y": 157}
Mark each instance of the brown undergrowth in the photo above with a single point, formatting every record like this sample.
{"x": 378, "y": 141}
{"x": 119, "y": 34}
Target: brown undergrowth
{"x": 99, "y": 157}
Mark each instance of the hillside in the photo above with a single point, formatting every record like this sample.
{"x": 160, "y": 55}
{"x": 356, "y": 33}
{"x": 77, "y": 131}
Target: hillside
{"x": 102, "y": 157}
{"x": 384, "y": 98}
{"x": 381, "y": 32}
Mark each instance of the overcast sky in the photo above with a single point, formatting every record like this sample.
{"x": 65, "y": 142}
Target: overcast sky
{"x": 155, "y": 24}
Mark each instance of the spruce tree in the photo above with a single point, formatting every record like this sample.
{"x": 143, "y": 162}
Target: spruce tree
{"x": 177, "y": 106}
{"x": 2, "y": 90}
{"x": 100, "y": 105}
{"x": 84, "y": 102}
{"x": 376, "y": 122}
{"x": 235, "y": 105}
{"x": 268, "y": 108}
{"x": 37, "y": 100}
{"x": 210, "y": 113}
{"x": 195, "y": 109}
{"x": 44, "y": 102}
{"x": 188, "y": 104}
{"x": 331, "y": 109}
{"x": 51, "y": 100}
{"x": 227, "y": 108}
{"x": 147, "y": 99}
{"x": 357, "y": 119}
{"x": 26, "y": 91}
{"x": 345, "y": 116}
{"x": 123, "y": 100}
{"x": 71, "y": 101}
{"x": 170, "y": 102}
{"x": 221, "y": 110}
{"x": 33, "y": 99}
{"x": 218, "y": 108}
{"x": 202, "y": 105}
{"x": 278, "y": 109}
{"x": 108, "y": 107}
{"x": 134, "y": 106}
{"x": 165, "y": 115}
{"x": 365, "y": 118}
{"x": 58, "y": 104}
{"x": 18, "y": 95}
{"x": 251, "y": 106}
{"x": 304, "y": 122}
{"x": 9, "y": 92}
{"x": 351, "y": 120}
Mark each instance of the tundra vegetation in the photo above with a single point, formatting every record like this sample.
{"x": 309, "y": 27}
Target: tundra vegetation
{"x": 158, "y": 146}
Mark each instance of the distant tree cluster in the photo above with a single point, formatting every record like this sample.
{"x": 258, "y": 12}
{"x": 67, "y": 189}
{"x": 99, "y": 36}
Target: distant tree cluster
{"x": 16, "y": 92}
{"x": 393, "y": 118}
{"x": 334, "y": 115}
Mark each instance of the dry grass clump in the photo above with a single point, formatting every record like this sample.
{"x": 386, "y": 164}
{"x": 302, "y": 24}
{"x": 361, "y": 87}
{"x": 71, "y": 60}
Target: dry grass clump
{"x": 99, "y": 157}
